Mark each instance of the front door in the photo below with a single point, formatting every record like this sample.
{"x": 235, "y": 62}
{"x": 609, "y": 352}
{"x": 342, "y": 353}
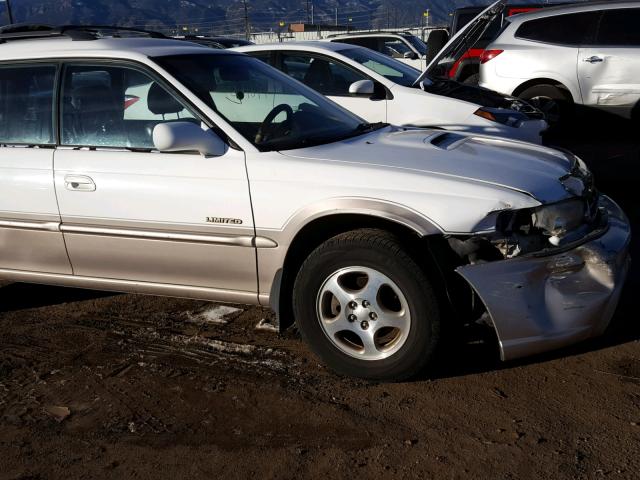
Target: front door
{"x": 30, "y": 238}
{"x": 132, "y": 213}
{"x": 609, "y": 71}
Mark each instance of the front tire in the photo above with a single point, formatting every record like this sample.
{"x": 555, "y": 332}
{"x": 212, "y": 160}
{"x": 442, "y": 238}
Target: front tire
{"x": 552, "y": 101}
{"x": 366, "y": 308}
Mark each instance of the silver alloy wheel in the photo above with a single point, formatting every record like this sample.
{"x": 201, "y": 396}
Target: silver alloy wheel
{"x": 364, "y": 313}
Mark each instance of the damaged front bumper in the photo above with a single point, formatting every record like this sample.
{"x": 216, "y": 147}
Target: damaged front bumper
{"x": 539, "y": 303}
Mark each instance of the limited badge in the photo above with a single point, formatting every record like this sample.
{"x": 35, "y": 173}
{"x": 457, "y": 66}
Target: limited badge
{"x": 229, "y": 221}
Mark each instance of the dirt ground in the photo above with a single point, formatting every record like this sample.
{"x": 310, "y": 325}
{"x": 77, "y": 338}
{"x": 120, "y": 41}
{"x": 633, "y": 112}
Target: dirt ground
{"x": 96, "y": 385}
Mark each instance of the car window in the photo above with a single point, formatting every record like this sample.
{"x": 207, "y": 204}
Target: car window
{"x": 395, "y": 47}
{"x": 320, "y": 73}
{"x": 366, "y": 42}
{"x": 391, "y": 69}
{"x": 26, "y": 105}
{"x": 264, "y": 56}
{"x": 417, "y": 43}
{"x": 620, "y": 28}
{"x": 107, "y": 106}
{"x": 569, "y": 29}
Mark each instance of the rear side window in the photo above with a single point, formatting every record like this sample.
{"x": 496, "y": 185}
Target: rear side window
{"x": 620, "y": 28}
{"x": 26, "y": 105}
{"x": 570, "y": 29}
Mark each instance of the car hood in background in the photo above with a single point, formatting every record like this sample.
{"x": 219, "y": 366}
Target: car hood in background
{"x": 479, "y": 96}
{"x": 523, "y": 167}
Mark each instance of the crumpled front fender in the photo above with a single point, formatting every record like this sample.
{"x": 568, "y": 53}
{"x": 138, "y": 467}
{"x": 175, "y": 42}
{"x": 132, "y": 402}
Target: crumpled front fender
{"x": 542, "y": 303}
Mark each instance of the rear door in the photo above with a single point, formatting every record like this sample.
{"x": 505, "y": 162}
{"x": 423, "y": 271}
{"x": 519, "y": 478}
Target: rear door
{"x": 333, "y": 78}
{"x": 609, "y": 71}
{"x": 132, "y": 213}
{"x": 30, "y": 239}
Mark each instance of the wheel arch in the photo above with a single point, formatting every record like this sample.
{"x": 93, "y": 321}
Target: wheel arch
{"x": 573, "y": 96}
{"x": 423, "y": 244}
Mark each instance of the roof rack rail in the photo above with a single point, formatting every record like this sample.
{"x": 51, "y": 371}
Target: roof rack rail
{"x": 27, "y": 31}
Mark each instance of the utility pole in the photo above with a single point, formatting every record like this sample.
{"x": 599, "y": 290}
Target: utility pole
{"x": 336, "y": 15}
{"x": 247, "y": 28}
{"x": 313, "y": 22}
{"x": 9, "y": 13}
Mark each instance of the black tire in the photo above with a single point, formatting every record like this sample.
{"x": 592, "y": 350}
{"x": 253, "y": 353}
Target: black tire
{"x": 473, "y": 79}
{"x": 383, "y": 252}
{"x": 555, "y": 103}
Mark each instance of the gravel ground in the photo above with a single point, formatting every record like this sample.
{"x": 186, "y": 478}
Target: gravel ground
{"x": 97, "y": 385}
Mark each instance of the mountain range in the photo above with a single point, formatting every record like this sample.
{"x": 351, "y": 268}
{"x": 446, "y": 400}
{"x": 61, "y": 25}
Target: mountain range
{"x": 227, "y": 17}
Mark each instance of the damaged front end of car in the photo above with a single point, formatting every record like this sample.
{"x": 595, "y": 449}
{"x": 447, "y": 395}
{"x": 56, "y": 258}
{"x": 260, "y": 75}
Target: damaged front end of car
{"x": 551, "y": 275}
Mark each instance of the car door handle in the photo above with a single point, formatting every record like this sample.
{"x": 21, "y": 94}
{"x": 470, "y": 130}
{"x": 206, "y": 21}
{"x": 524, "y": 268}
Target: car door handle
{"x": 594, "y": 59}
{"x": 79, "y": 183}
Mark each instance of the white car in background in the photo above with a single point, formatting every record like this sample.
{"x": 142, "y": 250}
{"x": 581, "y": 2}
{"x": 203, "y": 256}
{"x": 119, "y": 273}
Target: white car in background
{"x": 586, "y": 54}
{"x": 381, "y": 89}
{"x": 402, "y": 46}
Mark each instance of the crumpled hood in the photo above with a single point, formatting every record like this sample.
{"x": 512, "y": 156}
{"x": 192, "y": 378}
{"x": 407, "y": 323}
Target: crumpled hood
{"x": 523, "y": 167}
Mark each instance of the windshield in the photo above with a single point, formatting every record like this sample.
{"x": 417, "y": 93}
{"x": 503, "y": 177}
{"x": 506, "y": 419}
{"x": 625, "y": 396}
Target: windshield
{"x": 418, "y": 44}
{"x": 391, "y": 69}
{"x": 271, "y": 110}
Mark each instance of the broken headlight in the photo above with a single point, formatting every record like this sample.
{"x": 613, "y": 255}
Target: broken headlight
{"x": 548, "y": 225}
{"x": 559, "y": 218}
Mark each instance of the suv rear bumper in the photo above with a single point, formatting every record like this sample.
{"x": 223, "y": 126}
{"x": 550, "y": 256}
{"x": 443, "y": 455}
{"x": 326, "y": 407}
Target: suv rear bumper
{"x": 541, "y": 303}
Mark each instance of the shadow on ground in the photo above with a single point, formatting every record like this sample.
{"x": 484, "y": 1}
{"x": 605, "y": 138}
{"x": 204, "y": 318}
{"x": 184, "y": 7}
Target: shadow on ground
{"x": 22, "y": 296}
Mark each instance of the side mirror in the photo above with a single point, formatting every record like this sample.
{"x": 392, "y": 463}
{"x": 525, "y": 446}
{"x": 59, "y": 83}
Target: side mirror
{"x": 410, "y": 55}
{"x": 362, "y": 88}
{"x": 187, "y": 137}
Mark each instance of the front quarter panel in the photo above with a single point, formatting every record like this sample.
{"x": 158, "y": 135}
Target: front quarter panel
{"x": 290, "y": 192}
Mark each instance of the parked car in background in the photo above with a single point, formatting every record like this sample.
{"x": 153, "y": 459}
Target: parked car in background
{"x": 586, "y": 54}
{"x": 381, "y": 89}
{"x": 467, "y": 68}
{"x": 402, "y": 46}
{"x": 236, "y": 183}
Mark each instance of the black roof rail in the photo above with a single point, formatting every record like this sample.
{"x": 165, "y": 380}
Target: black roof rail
{"x": 27, "y": 31}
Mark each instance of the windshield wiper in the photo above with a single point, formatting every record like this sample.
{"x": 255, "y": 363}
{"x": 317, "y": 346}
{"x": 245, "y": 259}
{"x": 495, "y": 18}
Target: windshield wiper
{"x": 365, "y": 127}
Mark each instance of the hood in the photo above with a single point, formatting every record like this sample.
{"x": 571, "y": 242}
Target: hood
{"x": 463, "y": 40}
{"x": 523, "y": 167}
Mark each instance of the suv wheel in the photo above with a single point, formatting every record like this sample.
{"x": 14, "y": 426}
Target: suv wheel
{"x": 551, "y": 100}
{"x": 366, "y": 308}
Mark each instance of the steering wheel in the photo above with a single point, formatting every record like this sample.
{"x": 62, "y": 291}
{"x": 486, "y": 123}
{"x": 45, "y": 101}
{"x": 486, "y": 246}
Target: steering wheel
{"x": 267, "y": 129}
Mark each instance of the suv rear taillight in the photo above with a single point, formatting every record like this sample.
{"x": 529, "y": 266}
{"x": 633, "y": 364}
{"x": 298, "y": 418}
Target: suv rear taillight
{"x": 489, "y": 55}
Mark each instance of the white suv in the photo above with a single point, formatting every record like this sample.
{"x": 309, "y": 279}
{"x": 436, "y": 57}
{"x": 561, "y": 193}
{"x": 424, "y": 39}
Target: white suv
{"x": 586, "y": 54}
{"x": 163, "y": 167}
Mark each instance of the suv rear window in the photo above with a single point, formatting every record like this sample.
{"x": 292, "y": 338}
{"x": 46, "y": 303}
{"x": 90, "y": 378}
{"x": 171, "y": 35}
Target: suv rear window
{"x": 569, "y": 29}
{"x": 620, "y": 28}
{"x": 26, "y": 105}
